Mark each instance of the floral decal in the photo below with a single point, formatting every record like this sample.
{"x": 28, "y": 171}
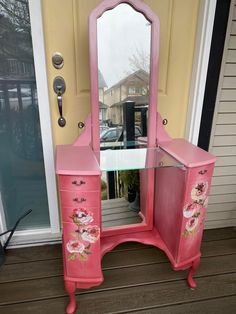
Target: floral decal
{"x": 199, "y": 191}
{"x": 194, "y": 210}
{"x": 81, "y": 216}
{"x": 190, "y": 209}
{"x": 90, "y": 234}
{"x": 84, "y": 235}
{"x": 191, "y": 224}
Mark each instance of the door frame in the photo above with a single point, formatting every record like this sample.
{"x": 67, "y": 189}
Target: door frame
{"x": 200, "y": 64}
{"x": 51, "y": 234}
{"x": 206, "y": 18}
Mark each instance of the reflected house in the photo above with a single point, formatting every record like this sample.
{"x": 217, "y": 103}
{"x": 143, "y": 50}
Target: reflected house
{"x": 16, "y": 57}
{"x": 19, "y": 121}
{"x": 134, "y": 87}
{"x": 102, "y": 106}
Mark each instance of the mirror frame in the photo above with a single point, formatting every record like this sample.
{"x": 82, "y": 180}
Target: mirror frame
{"x": 144, "y": 9}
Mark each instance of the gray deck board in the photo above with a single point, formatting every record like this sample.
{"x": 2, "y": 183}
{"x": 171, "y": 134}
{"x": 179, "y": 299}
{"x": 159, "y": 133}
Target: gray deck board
{"x": 138, "y": 279}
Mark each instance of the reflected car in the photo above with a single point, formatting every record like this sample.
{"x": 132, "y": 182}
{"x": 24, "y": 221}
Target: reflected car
{"x": 115, "y": 134}
{"x": 103, "y": 128}
{"x": 110, "y": 135}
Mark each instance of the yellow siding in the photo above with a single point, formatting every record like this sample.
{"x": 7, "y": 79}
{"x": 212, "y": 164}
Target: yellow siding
{"x": 66, "y": 31}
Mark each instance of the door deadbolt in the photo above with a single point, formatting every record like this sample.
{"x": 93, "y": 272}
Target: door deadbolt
{"x": 57, "y": 60}
{"x": 59, "y": 87}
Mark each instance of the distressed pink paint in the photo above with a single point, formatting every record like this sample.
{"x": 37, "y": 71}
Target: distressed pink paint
{"x": 173, "y": 200}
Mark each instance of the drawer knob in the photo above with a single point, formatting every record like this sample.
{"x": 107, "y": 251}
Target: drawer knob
{"x": 202, "y": 171}
{"x": 75, "y": 182}
{"x": 79, "y": 201}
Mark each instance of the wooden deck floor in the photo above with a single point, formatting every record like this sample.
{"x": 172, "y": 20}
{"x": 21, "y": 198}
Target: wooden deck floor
{"x": 138, "y": 279}
{"x": 116, "y": 212}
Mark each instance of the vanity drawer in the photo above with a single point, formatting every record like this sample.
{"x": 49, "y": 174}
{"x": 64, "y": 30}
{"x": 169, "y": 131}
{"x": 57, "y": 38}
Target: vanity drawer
{"x": 79, "y": 183}
{"x": 81, "y": 215}
{"x": 80, "y": 199}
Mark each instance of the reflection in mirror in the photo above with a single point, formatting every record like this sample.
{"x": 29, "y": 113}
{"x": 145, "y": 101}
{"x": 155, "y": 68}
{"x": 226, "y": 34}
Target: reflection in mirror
{"x": 124, "y": 37}
{"x": 121, "y": 203}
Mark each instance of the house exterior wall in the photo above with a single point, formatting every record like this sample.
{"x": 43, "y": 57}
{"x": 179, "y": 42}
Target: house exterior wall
{"x": 222, "y": 199}
{"x": 69, "y": 21}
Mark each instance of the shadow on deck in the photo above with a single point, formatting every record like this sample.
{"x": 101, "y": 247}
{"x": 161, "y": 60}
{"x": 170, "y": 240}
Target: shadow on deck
{"x": 138, "y": 279}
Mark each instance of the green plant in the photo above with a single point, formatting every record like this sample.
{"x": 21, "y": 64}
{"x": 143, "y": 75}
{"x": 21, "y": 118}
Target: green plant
{"x": 130, "y": 178}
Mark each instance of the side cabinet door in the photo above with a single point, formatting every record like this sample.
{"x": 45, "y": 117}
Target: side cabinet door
{"x": 197, "y": 187}
{"x": 181, "y": 196}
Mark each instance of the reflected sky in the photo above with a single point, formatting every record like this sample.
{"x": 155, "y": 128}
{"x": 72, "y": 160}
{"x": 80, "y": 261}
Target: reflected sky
{"x": 122, "y": 33}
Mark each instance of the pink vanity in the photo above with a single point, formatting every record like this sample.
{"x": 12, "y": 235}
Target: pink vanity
{"x": 170, "y": 178}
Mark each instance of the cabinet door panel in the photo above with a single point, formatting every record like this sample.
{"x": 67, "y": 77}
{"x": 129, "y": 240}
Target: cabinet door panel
{"x": 194, "y": 211}
{"x": 81, "y": 251}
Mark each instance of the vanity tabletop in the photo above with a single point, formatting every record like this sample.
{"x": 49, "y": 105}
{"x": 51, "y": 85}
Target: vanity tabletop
{"x": 73, "y": 160}
{"x": 187, "y": 153}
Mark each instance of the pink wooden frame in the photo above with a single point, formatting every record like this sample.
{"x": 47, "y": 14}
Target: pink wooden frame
{"x": 176, "y": 198}
{"x": 154, "y": 61}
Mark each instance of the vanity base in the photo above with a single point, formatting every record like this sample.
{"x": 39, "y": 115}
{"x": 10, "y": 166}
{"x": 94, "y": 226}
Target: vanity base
{"x": 108, "y": 243}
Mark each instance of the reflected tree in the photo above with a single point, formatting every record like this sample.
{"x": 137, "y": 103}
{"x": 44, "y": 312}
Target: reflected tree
{"x": 15, "y": 35}
{"x": 140, "y": 60}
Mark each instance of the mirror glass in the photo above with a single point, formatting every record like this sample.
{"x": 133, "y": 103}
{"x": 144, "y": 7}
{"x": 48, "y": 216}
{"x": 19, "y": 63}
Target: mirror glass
{"x": 124, "y": 42}
{"x": 124, "y": 37}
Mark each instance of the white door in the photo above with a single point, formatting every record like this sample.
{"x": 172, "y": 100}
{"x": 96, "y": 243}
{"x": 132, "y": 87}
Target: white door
{"x": 27, "y": 176}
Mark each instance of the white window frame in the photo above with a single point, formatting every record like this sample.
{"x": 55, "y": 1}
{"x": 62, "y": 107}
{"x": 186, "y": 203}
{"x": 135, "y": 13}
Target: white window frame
{"x": 52, "y": 234}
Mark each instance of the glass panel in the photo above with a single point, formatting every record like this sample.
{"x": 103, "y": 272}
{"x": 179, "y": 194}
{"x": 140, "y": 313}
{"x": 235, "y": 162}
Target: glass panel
{"x": 124, "y": 66}
{"x": 131, "y": 159}
{"x": 121, "y": 198}
{"x": 22, "y": 174}
{"x": 125, "y": 183}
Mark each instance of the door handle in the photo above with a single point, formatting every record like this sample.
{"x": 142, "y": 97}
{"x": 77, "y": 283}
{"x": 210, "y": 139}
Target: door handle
{"x": 59, "y": 87}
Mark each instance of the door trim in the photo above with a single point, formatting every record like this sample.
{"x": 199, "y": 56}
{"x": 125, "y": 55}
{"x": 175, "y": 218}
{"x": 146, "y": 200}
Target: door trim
{"x": 200, "y": 65}
{"x": 44, "y": 110}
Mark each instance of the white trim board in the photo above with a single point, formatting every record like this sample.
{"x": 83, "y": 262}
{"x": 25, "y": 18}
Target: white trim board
{"x": 34, "y": 238}
{"x": 44, "y": 110}
{"x": 3, "y": 226}
{"x": 200, "y": 65}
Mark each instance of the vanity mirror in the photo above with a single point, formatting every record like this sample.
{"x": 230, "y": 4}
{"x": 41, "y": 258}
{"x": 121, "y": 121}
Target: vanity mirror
{"x": 122, "y": 39}
{"x": 171, "y": 177}
{"x": 124, "y": 52}
{"x": 123, "y": 44}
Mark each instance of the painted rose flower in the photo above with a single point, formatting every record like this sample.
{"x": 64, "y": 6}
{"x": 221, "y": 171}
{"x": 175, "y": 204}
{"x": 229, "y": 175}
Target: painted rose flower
{"x": 81, "y": 216}
{"x": 77, "y": 249}
{"x": 90, "y": 234}
{"x": 190, "y": 209}
{"x": 199, "y": 191}
{"x": 191, "y": 224}
{"x": 74, "y": 246}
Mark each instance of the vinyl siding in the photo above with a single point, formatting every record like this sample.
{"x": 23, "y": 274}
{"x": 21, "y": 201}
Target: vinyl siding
{"x": 222, "y": 200}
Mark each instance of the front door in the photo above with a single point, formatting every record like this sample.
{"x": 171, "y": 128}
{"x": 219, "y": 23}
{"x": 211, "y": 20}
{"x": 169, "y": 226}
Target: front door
{"x": 24, "y": 183}
{"x": 65, "y": 25}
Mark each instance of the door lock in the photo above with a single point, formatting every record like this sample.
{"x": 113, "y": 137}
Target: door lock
{"x": 59, "y": 87}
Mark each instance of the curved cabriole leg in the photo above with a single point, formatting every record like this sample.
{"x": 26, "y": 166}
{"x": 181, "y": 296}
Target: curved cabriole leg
{"x": 191, "y": 282}
{"x": 70, "y": 288}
